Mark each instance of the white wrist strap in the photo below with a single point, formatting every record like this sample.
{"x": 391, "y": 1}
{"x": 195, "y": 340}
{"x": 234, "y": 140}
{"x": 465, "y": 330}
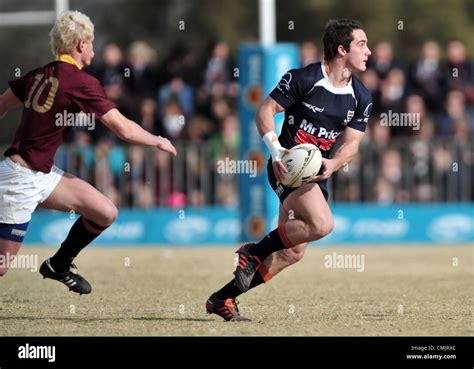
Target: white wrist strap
{"x": 271, "y": 140}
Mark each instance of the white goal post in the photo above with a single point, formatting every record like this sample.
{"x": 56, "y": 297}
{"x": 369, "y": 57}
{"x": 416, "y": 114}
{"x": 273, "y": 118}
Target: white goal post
{"x": 33, "y": 17}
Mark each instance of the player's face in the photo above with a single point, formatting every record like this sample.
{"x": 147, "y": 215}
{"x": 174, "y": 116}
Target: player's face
{"x": 359, "y": 51}
{"x": 88, "y": 52}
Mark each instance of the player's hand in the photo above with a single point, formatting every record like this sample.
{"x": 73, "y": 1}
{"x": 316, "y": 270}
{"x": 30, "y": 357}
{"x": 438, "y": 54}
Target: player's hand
{"x": 279, "y": 168}
{"x": 165, "y": 145}
{"x": 328, "y": 167}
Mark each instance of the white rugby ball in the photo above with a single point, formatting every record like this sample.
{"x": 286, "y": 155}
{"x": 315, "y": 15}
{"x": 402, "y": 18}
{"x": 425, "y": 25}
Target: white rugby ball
{"x": 303, "y": 163}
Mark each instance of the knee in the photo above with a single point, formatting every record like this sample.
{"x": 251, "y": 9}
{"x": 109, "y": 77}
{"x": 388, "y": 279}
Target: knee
{"x": 108, "y": 214}
{"x": 321, "y": 228}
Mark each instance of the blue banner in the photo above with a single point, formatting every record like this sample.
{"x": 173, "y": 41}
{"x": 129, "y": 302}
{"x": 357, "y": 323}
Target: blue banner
{"x": 158, "y": 226}
{"x": 378, "y": 224}
{"x": 260, "y": 70}
{"x": 356, "y": 224}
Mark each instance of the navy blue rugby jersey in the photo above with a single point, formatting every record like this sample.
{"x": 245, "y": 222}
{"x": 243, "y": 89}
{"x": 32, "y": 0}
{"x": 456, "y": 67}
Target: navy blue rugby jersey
{"x": 317, "y": 112}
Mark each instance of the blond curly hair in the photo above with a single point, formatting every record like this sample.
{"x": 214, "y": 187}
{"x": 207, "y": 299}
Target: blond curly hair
{"x": 68, "y": 30}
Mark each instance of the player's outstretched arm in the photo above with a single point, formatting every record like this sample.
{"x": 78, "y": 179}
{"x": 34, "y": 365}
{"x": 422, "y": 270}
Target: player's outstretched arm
{"x": 265, "y": 116}
{"x": 8, "y": 101}
{"x": 131, "y": 132}
{"x": 344, "y": 155}
{"x": 266, "y": 127}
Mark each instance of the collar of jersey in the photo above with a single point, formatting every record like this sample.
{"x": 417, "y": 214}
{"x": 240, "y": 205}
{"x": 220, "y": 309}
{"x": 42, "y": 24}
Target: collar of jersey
{"x": 69, "y": 59}
{"x": 326, "y": 76}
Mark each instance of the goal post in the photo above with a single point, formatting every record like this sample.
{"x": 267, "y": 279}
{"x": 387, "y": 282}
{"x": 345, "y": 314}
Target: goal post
{"x": 33, "y": 17}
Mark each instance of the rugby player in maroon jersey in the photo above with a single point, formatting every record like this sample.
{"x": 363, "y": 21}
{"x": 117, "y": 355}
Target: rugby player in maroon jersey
{"x": 28, "y": 177}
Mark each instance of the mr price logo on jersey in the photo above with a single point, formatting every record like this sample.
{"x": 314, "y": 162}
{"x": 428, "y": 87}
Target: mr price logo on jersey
{"x": 324, "y": 140}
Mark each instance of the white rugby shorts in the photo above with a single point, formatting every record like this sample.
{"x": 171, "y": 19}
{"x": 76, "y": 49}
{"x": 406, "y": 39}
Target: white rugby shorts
{"x": 22, "y": 189}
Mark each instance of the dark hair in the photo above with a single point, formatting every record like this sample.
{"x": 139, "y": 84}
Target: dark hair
{"x": 338, "y": 32}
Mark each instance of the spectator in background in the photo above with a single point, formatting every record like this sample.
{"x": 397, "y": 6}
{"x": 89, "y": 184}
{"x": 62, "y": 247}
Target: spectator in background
{"x": 426, "y": 75}
{"x": 220, "y": 109}
{"x": 147, "y": 117}
{"x": 308, "y": 53}
{"x": 455, "y": 111}
{"x": 115, "y": 92}
{"x": 172, "y": 119}
{"x": 384, "y": 191}
{"x": 377, "y": 141}
{"x": 112, "y": 70}
{"x": 226, "y": 194}
{"x": 164, "y": 182}
{"x": 392, "y": 90}
{"x": 137, "y": 188}
{"x": 219, "y": 66}
{"x": 418, "y": 114}
{"x": 198, "y": 165}
{"x": 421, "y": 147}
{"x": 177, "y": 89}
{"x": 382, "y": 61}
{"x": 199, "y": 129}
{"x": 371, "y": 80}
{"x": 392, "y": 166}
{"x": 181, "y": 62}
{"x": 142, "y": 80}
{"x": 458, "y": 70}
{"x": 441, "y": 161}
{"x": 388, "y": 186}
{"x": 84, "y": 154}
{"x": 103, "y": 173}
{"x": 226, "y": 142}
{"x": 380, "y": 135}
{"x": 112, "y": 74}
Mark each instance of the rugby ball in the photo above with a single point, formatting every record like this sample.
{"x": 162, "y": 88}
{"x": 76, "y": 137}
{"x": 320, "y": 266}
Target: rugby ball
{"x": 303, "y": 163}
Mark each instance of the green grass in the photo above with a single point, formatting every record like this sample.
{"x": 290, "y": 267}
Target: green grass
{"x": 403, "y": 291}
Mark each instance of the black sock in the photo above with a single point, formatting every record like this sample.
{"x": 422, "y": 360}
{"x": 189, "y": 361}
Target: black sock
{"x": 82, "y": 233}
{"x": 230, "y": 290}
{"x": 268, "y": 245}
{"x": 256, "y": 281}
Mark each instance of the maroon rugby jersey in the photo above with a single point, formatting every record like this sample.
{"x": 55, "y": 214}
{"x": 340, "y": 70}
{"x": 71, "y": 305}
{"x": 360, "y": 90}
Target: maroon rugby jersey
{"x": 57, "y": 88}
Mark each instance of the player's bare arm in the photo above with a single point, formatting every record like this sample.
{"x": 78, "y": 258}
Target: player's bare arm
{"x": 131, "y": 132}
{"x": 266, "y": 127}
{"x": 344, "y": 155}
{"x": 8, "y": 101}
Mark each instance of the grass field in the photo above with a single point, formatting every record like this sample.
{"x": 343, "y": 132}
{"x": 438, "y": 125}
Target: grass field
{"x": 408, "y": 290}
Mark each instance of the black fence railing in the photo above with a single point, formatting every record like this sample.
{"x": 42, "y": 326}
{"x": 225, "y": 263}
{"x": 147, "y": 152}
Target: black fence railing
{"x": 403, "y": 170}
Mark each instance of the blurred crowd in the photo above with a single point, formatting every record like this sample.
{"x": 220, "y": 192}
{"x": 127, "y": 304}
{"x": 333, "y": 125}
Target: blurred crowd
{"x": 191, "y": 99}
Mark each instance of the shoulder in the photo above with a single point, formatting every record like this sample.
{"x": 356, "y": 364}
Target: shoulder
{"x": 301, "y": 79}
{"x": 309, "y": 74}
{"x": 87, "y": 80}
{"x": 364, "y": 100}
{"x": 78, "y": 77}
{"x": 86, "y": 84}
{"x": 362, "y": 93}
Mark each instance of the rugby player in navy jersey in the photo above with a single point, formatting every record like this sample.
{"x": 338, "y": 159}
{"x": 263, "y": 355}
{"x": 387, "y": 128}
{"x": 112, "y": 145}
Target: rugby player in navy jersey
{"x": 323, "y": 103}
{"x": 28, "y": 177}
